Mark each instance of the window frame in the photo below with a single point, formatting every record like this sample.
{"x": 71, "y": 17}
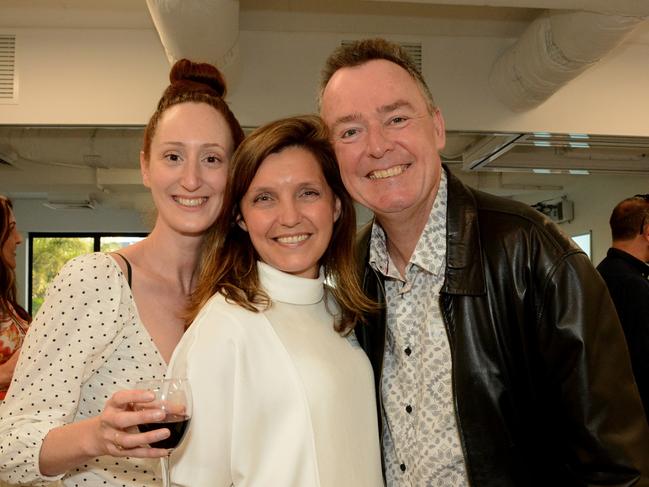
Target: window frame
{"x": 96, "y": 236}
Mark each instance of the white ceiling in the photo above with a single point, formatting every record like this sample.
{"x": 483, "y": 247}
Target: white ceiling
{"x": 271, "y": 15}
{"x": 96, "y": 149}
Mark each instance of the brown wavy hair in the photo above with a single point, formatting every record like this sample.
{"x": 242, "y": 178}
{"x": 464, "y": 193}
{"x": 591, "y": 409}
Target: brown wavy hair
{"x": 229, "y": 259}
{"x": 8, "y": 303}
{"x": 197, "y": 83}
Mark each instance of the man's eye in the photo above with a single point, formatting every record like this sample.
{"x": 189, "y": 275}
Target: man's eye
{"x": 398, "y": 120}
{"x": 173, "y": 157}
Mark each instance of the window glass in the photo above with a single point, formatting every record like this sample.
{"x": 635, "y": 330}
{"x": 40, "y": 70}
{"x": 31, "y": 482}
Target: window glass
{"x": 111, "y": 244}
{"x": 49, "y": 255}
{"x": 49, "y": 252}
{"x": 583, "y": 240}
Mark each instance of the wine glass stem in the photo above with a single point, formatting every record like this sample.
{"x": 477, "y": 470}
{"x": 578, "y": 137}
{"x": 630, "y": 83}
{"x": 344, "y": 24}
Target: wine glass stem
{"x": 166, "y": 481}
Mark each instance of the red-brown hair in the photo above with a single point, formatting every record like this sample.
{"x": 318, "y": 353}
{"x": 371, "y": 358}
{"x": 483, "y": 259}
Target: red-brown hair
{"x": 197, "y": 83}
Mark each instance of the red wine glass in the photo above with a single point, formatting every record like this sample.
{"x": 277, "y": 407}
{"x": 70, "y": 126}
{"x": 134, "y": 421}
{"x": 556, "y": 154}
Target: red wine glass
{"x": 175, "y": 398}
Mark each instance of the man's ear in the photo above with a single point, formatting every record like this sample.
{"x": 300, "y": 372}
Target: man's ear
{"x": 645, "y": 232}
{"x": 144, "y": 170}
{"x": 440, "y": 129}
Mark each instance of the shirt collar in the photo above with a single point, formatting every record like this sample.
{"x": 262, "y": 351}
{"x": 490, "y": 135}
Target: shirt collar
{"x": 423, "y": 256}
{"x": 642, "y": 267}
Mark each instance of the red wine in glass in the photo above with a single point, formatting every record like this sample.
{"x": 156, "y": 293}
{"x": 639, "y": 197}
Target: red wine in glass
{"x": 175, "y": 398}
{"x": 177, "y": 426}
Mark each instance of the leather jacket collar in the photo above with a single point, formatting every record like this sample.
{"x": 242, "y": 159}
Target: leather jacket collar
{"x": 464, "y": 269}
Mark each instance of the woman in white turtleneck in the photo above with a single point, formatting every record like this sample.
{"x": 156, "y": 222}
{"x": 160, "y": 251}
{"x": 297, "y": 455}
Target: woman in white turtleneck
{"x": 283, "y": 395}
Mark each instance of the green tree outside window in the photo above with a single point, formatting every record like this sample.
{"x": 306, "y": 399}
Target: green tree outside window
{"x": 50, "y": 253}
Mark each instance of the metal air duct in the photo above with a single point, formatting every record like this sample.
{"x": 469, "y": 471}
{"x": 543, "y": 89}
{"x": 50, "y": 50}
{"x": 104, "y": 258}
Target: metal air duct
{"x": 200, "y": 30}
{"x": 555, "y": 48}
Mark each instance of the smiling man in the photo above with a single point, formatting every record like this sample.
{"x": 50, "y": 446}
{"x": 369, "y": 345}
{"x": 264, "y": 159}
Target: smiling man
{"x": 498, "y": 358}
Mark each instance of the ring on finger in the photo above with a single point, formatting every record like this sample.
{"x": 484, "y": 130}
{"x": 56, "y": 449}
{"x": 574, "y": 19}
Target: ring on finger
{"x": 116, "y": 441}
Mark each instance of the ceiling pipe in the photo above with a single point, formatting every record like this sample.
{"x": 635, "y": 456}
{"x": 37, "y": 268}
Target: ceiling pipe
{"x": 555, "y": 48}
{"x": 200, "y": 30}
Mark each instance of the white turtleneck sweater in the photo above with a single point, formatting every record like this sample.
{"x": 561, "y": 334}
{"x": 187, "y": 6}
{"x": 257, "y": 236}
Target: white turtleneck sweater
{"x": 280, "y": 399}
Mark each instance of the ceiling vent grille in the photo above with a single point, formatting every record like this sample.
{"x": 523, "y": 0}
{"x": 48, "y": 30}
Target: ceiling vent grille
{"x": 7, "y": 68}
{"x": 88, "y": 204}
{"x": 412, "y": 48}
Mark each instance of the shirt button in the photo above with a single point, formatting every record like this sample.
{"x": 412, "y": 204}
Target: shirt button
{"x": 408, "y": 408}
{"x": 402, "y": 467}
{"x": 407, "y": 351}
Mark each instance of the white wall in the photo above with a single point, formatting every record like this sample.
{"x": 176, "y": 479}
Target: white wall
{"x": 86, "y": 77}
{"x": 594, "y": 197}
{"x": 77, "y": 76}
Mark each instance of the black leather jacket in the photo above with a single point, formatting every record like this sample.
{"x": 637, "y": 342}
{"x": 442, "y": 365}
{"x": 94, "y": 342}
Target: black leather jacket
{"x": 544, "y": 393}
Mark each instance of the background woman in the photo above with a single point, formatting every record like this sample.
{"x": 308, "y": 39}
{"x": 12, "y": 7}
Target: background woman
{"x": 110, "y": 320}
{"x": 14, "y": 320}
{"x": 281, "y": 397}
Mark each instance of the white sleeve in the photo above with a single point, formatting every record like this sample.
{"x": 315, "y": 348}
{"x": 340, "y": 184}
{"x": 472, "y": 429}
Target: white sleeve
{"x": 207, "y": 356}
{"x": 74, "y": 332}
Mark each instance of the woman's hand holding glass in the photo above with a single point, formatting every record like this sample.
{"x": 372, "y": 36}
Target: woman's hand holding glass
{"x": 118, "y": 433}
{"x": 174, "y": 398}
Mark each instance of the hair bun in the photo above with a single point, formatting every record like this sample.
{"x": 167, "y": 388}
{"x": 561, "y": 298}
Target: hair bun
{"x": 198, "y": 76}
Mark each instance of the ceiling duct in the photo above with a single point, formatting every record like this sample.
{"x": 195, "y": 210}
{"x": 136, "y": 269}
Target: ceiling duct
{"x": 555, "y": 48}
{"x": 200, "y": 30}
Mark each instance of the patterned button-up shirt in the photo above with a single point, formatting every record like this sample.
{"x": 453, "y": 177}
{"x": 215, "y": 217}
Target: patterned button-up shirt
{"x": 421, "y": 442}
